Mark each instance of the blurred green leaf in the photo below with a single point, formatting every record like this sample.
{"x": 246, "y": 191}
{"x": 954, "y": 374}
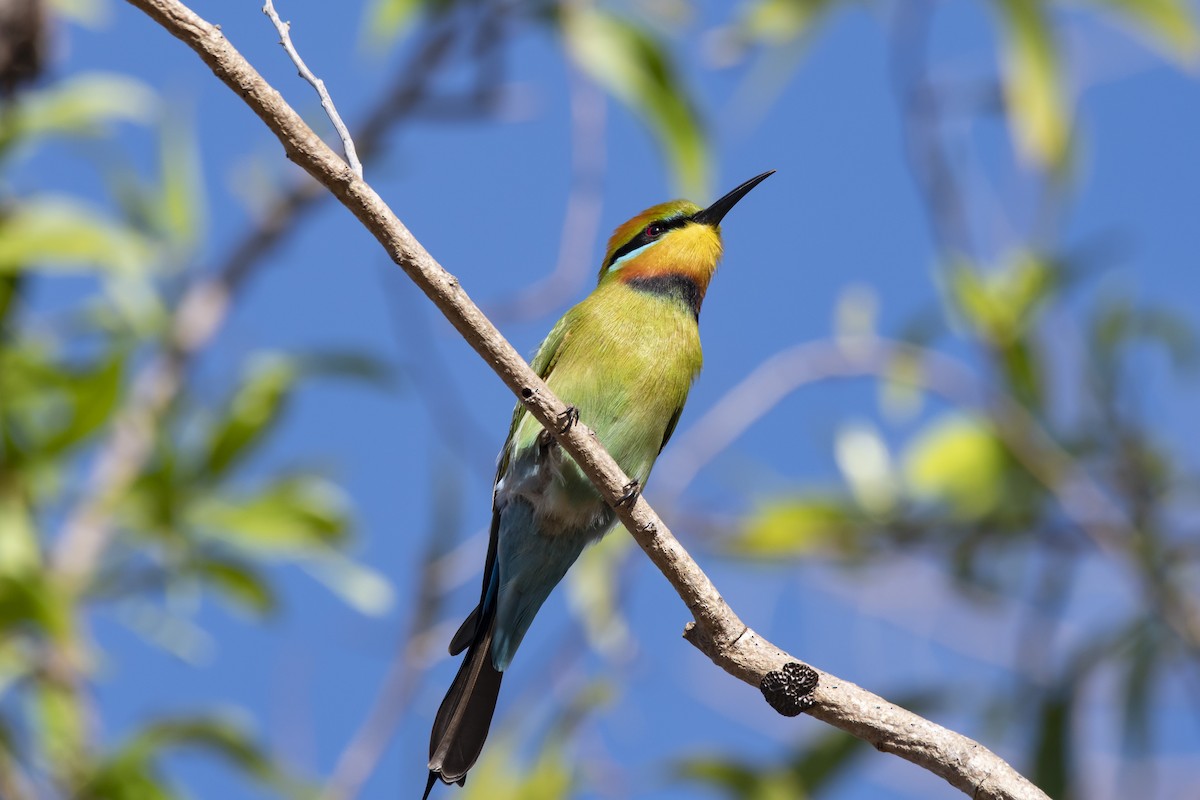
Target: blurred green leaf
{"x": 738, "y": 779}
{"x": 153, "y": 504}
{"x": 1171, "y": 24}
{"x": 777, "y": 22}
{"x": 125, "y": 779}
{"x": 253, "y": 411}
{"x": 92, "y": 395}
{"x": 627, "y": 61}
{"x": 60, "y": 233}
{"x": 179, "y": 212}
{"x": 236, "y": 581}
{"x": 801, "y": 775}
{"x": 91, "y": 13}
{"x": 499, "y": 775}
{"x": 863, "y": 458}
{"x": 81, "y": 105}
{"x": 794, "y": 527}
{"x": 60, "y": 725}
{"x": 217, "y": 736}
{"x": 32, "y": 599}
{"x": 1033, "y": 84}
{"x": 901, "y": 387}
{"x": 346, "y": 364}
{"x": 19, "y": 553}
{"x": 1022, "y": 363}
{"x": 360, "y": 587}
{"x": 164, "y": 627}
{"x": 132, "y": 772}
{"x": 1001, "y": 304}
{"x": 957, "y": 461}
{"x": 50, "y": 406}
{"x": 293, "y": 516}
{"x": 1053, "y": 749}
{"x": 384, "y": 21}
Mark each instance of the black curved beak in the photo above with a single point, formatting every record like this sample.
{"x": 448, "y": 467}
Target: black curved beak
{"x": 714, "y": 213}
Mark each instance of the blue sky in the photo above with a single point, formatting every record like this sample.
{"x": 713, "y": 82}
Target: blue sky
{"x": 487, "y": 198}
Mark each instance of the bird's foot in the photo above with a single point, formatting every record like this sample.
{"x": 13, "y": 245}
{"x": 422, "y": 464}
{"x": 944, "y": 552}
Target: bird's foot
{"x": 631, "y": 492}
{"x": 568, "y": 418}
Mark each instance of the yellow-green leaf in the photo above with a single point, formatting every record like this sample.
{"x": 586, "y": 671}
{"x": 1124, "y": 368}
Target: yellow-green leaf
{"x": 635, "y": 68}
{"x": 1170, "y": 24}
{"x": 1000, "y": 304}
{"x": 19, "y": 551}
{"x": 60, "y": 233}
{"x": 89, "y": 13}
{"x": 776, "y": 22}
{"x": 253, "y": 411}
{"x": 360, "y": 587}
{"x": 92, "y": 396}
{"x": 1033, "y": 84}
{"x": 180, "y": 210}
{"x": 794, "y": 527}
{"x": 237, "y": 582}
{"x": 84, "y": 105}
{"x": 60, "y": 725}
{"x": 293, "y": 516}
{"x": 863, "y": 458}
{"x": 957, "y": 462}
{"x": 386, "y": 20}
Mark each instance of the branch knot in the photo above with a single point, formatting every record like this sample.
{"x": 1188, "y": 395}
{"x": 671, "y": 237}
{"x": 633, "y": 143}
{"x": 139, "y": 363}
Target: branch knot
{"x": 790, "y": 690}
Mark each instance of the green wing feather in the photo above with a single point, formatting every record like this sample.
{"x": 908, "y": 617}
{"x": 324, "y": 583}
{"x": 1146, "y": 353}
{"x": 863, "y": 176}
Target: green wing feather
{"x": 543, "y": 364}
{"x": 671, "y": 427}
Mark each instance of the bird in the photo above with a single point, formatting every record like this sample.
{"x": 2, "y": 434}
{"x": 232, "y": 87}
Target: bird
{"x": 623, "y": 361}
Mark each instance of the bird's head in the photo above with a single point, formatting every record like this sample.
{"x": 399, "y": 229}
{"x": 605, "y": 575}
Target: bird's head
{"x": 674, "y": 238}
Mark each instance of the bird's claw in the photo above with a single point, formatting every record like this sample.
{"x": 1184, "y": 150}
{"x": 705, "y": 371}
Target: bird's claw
{"x": 630, "y": 493}
{"x": 568, "y": 418}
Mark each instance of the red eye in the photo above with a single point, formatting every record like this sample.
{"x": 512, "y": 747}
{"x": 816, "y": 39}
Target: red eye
{"x": 654, "y": 230}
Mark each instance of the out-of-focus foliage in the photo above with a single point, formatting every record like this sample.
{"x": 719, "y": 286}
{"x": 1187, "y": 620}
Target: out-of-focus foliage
{"x": 628, "y": 61}
{"x": 191, "y": 520}
{"x": 809, "y": 771}
{"x": 1049, "y": 461}
{"x": 82, "y": 105}
{"x": 987, "y": 489}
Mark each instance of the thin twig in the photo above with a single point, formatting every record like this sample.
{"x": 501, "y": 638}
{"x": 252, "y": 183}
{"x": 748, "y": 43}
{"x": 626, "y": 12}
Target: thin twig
{"x": 716, "y": 631}
{"x": 285, "y": 39}
{"x": 200, "y": 313}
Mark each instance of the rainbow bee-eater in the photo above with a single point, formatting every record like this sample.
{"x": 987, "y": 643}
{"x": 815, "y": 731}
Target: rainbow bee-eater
{"x": 623, "y": 361}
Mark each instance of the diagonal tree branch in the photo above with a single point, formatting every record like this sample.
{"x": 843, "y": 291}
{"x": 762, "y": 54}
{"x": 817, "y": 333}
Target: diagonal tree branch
{"x": 717, "y": 631}
{"x": 201, "y": 311}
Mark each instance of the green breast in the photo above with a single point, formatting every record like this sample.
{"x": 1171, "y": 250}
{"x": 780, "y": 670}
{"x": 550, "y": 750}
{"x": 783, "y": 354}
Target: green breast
{"x": 627, "y": 362}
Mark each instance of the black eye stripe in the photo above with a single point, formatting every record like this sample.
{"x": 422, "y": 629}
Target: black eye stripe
{"x": 641, "y": 240}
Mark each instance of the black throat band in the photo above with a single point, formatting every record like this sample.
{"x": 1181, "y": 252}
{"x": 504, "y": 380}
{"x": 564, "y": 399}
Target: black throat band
{"x": 674, "y": 285}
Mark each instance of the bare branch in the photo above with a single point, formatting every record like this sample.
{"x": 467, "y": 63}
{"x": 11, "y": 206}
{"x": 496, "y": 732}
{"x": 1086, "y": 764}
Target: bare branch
{"x": 717, "y": 631}
{"x": 199, "y": 314}
{"x": 285, "y": 39}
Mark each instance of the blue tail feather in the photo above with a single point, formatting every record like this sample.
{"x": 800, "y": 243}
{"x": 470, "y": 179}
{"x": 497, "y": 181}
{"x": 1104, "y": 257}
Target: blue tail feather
{"x": 531, "y": 563}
